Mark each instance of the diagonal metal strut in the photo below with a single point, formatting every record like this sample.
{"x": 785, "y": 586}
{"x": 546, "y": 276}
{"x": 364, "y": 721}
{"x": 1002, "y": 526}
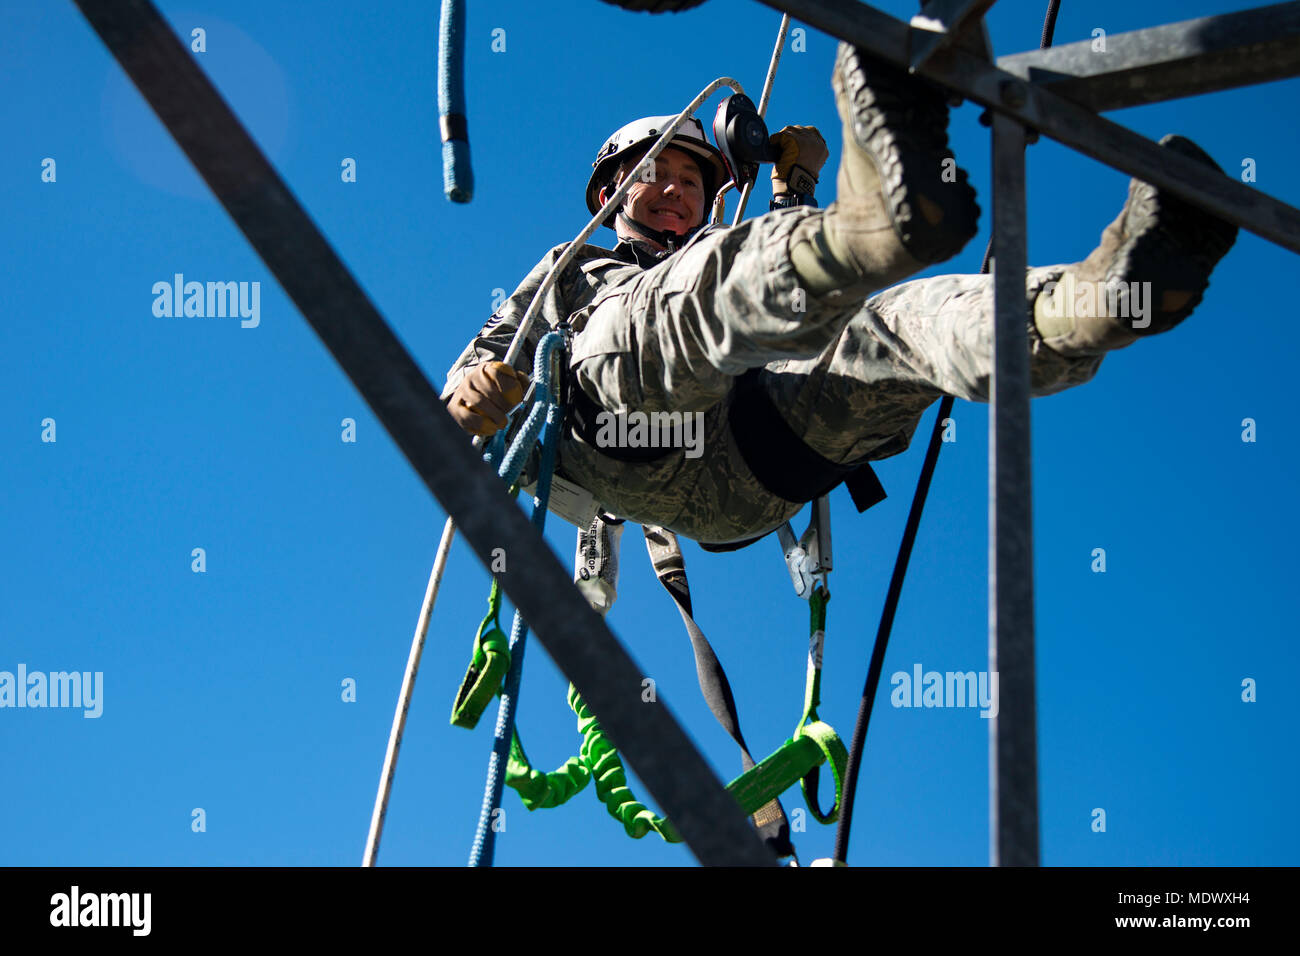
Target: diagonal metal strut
{"x": 296, "y": 253}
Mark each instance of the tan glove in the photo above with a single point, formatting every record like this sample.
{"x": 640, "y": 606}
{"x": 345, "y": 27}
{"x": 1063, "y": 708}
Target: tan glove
{"x": 485, "y": 395}
{"x": 803, "y": 154}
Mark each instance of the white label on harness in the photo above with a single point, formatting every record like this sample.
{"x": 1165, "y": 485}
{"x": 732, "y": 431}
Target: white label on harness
{"x": 815, "y": 650}
{"x": 571, "y": 502}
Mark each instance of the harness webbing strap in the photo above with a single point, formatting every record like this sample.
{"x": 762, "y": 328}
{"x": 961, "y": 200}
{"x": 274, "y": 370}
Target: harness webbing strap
{"x": 670, "y": 568}
{"x": 781, "y": 460}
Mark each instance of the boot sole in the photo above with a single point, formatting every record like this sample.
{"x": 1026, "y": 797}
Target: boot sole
{"x": 1172, "y": 244}
{"x": 901, "y": 123}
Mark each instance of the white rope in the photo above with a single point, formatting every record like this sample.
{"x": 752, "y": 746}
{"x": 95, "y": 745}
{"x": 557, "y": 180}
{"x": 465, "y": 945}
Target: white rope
{"x": 404, "y": 698}
{"x": 763, "y": 101}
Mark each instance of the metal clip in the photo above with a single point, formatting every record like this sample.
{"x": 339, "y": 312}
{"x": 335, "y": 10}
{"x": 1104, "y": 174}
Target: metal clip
{"x": 809, "y": 557}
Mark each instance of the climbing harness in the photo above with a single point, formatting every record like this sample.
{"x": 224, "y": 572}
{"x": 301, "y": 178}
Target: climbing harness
{"x": 782, "y": 461}
{"x": 758, "y": 788}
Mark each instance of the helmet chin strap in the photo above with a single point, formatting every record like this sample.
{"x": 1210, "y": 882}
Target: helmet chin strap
{"x": 664, "y": 237}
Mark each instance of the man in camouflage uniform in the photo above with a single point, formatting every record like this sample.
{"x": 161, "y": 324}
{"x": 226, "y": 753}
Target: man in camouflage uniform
{"x": 780, "y": 304}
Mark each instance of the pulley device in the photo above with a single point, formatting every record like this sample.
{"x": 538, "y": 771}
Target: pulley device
{"x": 742, "y": 138}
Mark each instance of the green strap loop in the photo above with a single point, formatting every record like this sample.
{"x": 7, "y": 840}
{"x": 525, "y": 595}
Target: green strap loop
{"x": 611, "y": 780}
{"x": 487, "y": 668}
{"x": 541, "y": 791}
{"x": 810, "y": 725}
{"x": 834, "y": 753}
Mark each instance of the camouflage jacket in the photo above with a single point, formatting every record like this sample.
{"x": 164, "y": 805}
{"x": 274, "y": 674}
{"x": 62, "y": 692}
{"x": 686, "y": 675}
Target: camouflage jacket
{"x": 711, "y": 499}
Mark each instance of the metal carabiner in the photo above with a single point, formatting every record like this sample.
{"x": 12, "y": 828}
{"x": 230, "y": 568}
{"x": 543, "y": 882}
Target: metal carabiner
{"x": 809, "y": 557}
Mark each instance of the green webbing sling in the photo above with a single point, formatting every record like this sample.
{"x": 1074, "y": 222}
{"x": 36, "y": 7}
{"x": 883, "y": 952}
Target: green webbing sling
{"x": 799, "y": 758}
{"x": 811, "y": 726}
{"x": 611, "y": 779}
{"x": 597, "y": 760}
{"x": 813, "y": 743}
{"x": 487, "y": 668}
{"x": 541, "y": 791}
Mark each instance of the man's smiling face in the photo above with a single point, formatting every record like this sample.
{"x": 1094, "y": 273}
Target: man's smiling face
{"x": 674, "y": 201}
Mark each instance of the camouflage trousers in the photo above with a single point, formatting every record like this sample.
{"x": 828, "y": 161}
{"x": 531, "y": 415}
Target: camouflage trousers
{"x": 852, "y": 378}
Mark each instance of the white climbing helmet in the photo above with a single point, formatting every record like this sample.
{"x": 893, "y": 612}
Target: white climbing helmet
{"x": 643, "y": 133}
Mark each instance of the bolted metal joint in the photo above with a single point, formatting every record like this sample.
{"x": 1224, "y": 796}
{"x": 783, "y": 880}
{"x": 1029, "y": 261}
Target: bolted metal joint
{"x": 1014, "y": 93}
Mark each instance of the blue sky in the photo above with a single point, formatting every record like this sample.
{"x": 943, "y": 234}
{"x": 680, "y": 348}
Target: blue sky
{"x": 222, "y": 689}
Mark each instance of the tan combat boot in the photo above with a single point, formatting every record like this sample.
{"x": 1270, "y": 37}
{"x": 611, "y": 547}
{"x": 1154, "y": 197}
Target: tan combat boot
{"x": 1149, "y": 272}
{"x": 902, "y": 204}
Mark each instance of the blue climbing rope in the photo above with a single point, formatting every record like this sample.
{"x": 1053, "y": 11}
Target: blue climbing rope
{"x": 457, "y": 176}
{"x": 547, "y": 409}
{"x": 513, "y": 463}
